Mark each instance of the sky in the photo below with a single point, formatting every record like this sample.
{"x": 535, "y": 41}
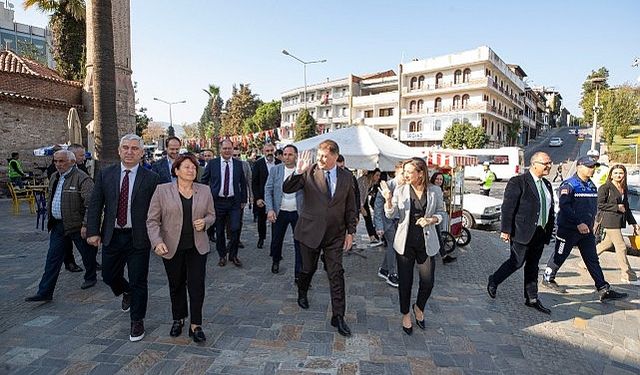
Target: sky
{"x": 180, "y": 47}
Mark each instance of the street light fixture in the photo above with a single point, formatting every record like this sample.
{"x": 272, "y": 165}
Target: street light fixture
{"x": 304, "y": 63}
{"x": 596, "y": 108}
{"x": 170, "y": 104}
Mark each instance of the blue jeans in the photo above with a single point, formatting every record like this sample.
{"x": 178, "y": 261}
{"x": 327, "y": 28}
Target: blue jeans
{"x": 55, "y": 257}
{"x": 278, "y": 231}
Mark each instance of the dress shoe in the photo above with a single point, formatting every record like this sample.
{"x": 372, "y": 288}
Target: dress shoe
{"x": 38, "y": 298}
{"x": 176, "y": 328}
{"x": 419, "y": 323}
{"x": 338, "y": 322}
{"x": 88, "y": 284}
{"x": 137, "y": 330}
{"x": 610, "y": 294}
{"x": 538, "y": 306}
{"x": 260, "y": 243}
{"x": 449, "y": 259}
{"x": 236, "y": 262}
{"x": 553, "y": 285}
{"x": 408, "y": 331}
{"x": 126, "y": 301}
{"x": 222, "y": 262}
{"x": 275, "y": 267}
{"x": 197, "y": 334}
{"x": 492, "y": 288}
{"x": 72, "y": 267}
{"x": 240, "y": 245}
{"x": 303, "y": 302}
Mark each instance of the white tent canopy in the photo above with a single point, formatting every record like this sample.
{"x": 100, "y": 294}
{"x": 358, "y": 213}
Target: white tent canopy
{"x": 364, "y": 147}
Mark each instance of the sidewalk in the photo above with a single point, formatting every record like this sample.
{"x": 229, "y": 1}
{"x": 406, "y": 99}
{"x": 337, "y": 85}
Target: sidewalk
{"x": 254, "y": 325}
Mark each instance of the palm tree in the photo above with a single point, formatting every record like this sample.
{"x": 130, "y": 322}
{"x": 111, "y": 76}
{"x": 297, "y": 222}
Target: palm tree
{"x": 67, "y": 24}
{"x": 104, "y": 84}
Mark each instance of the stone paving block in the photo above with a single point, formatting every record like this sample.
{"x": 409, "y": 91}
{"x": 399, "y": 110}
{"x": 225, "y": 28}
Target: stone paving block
{"x": 21, "y": 356}
{"x": 41, "y": 321}
{"x": 105, "y": 369}
{"x": 371, "y": 368}
{"x": 165, "y": 367}
{"x": 143, "y": 362}
{"x": 443, "y": 359}
{"x": 316, "y": 337}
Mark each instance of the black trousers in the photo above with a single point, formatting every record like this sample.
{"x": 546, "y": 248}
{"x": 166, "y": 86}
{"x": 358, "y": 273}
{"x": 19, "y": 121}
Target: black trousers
{"x": 426, "y": 273}
{"x": 186, "y": 272}
{"x": 527, "y": 255}
{"x": 228, "y": 227}
{"x": 227, "y": 211}
{"x": 261, "y": 213}
{"x": 332, "y": 251}
{"x": 368, "y": 222}
{"x": 114, "y": 257}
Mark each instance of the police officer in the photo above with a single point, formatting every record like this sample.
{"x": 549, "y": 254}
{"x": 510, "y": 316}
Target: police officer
{"x": 486, "y": 179}
{"x": 578, "y": 197}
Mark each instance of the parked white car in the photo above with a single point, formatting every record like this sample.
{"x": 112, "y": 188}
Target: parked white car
{"x": 634, "y": 205}
{"x": 555, "y": 142}
{"x": 478, "y": 209}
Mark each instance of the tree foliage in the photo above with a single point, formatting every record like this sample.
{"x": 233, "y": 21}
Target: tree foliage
{"x": 513, "y": 131}
{"x": 241, "y": 106}
{"x": 620, "y": 111}
{"x": 153, "y": 132}
{"x": 305, "y": 126}
{"x": 171, "y": 131}
{"x": 588, "y": 100}
{"x": 210, "y": 121}
{"x": 190, "y": 130}
{"x": 464, "y": 135}
{"x": 267, "y": 117}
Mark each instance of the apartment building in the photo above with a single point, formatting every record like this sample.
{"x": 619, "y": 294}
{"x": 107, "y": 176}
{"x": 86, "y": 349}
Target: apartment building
{"x": 25, "y": 40}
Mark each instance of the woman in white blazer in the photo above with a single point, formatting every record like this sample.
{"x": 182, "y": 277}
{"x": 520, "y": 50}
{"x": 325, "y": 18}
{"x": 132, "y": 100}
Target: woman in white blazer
{"x": 420, "y": 208}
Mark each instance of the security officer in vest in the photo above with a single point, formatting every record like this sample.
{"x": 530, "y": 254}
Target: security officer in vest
{"x": 578, "y": 197}
{"x": 486, "y": 179}
{"x": 15, "y": 170}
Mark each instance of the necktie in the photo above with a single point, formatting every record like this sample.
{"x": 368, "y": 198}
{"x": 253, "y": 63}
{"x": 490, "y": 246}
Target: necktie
{"x": 543, "y": 204}
{"x": 123, "y": 201}
{"x": 327, "y": 179}
{"x": 225, "y": 190}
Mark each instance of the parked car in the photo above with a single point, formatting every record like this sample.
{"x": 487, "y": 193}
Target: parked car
{"x": 478, "y": 209}
{"x": 555, "y": 142}
{"x": 634, "y": 205}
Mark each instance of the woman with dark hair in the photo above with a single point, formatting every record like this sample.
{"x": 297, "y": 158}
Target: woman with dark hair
{"x": 420, "y": 208}
{"x": 368, "y": 186}
{"x": 437, "y": 180}
{"x": 614, "y": 213}
{"x": 179, "y": 215}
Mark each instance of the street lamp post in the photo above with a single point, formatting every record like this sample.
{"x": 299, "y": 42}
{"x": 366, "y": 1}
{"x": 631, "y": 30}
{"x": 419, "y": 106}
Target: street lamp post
{"x": 304, "y": 63}
{"x": 170, "y": 104}
{"x": 596, "y": 108}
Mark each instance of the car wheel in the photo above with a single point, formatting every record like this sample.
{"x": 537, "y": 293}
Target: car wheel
{"x": 464, "y": 237}
{"x": 448, "y": 242}
{"x": 467, "y": 220}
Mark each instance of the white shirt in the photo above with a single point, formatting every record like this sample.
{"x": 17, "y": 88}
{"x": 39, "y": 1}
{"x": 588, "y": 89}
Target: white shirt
{"x": 223, "y": 166}
{"x": 270, "y": 165}
{"x": 547, "y": 196}
{"x": 132, "y": 180}
{"x": 56, "y": 203}
{"x": 288, "y": 199}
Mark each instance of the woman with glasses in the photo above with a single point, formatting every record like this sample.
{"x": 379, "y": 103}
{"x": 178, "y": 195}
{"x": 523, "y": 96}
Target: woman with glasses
{"x": 614, "y": 213}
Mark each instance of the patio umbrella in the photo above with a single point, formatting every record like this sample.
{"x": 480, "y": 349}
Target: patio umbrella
{"x": 73, "y": 122}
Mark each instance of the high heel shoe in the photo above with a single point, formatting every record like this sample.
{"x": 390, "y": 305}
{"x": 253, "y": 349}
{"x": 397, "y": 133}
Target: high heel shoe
{"x": 419, "y": 323}
{"x": 408, "y": 331}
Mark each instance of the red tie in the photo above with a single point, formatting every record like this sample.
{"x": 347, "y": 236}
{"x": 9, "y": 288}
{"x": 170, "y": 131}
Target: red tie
{"x": 225, "y": 190}
{"x": 123, "y": 201}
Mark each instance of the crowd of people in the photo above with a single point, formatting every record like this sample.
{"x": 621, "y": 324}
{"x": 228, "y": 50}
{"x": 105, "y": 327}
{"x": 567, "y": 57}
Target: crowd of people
{"x": 180, "y": 204}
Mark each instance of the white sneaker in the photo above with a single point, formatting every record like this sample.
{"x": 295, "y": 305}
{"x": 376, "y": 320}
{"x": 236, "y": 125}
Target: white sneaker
{"x": 375, "y": 243}
{"x": 383, "y": 274}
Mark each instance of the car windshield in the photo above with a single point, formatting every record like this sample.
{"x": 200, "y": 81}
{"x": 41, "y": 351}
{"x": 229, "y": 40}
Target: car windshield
{"x": 634, "y": 198}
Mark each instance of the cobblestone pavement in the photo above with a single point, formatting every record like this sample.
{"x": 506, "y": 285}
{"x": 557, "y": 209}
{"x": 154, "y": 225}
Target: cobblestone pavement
{"x": 254, "y": 326}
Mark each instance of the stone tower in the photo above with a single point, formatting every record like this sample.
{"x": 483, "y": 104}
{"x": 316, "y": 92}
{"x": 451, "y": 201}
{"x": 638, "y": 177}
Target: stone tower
{"x": 125, "y": 101}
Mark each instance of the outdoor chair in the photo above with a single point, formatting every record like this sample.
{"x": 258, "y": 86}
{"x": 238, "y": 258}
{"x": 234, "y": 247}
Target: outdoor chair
{"x": 21, "y": 195}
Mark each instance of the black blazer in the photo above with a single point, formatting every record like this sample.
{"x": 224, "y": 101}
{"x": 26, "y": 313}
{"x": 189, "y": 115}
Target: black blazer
{"x": 259, "y": 176}
{"x": 608, "y": 200}
{"x": 213, "y": 178}
{"x": 161, "y": 167}
{"x": 104, "y": 203}
{"x": 521, "y": 209}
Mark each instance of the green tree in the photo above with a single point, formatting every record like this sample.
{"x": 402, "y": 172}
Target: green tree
{"x": 190, "y": 130}
{"x": 171, "y": 132}
{"x": 513, "y": 131}
{"x": 210, "y": 121}
{"x": 30, "y": 51}
{"x": 464, "y": 135}
{"x": 620, "y": 111}
{"x": 241, "y": 106}
{"x": 68, "y": 29}
{"x": 267, "y": 116}
{"x": 305, "y": 126}
{"x": 588, "y": 99}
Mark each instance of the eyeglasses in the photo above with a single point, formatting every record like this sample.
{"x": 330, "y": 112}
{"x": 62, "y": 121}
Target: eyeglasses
{"x": 544, "y": 163}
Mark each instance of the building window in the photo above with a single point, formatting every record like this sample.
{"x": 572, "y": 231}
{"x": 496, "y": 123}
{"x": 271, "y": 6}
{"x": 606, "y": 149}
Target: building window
{"x": 487, "y": 73}
{"x": 465, "y": 100}
{"x": 456, "y": 102}
{"x": 326, "y": 113}
{"x": 420, "y": 105}
{"x": 388, "y": 132}
{"x": 438, "y": 79}
{"x": 385, "y": 112}
{"x": 412, "y": 106}
{"x": 485, "y": 97}
{"x": 412, "y": 127}
{"x": 456, "y": 76}
{"x": 437, "y": 105}
{"x": 344, "y": 111}
{"x": 466, "y": 76}
{"x": 492, "y": 128}
{"x": 368, "y": 113}
{"x": 437, "y": 126}
{"x": 421, "y": 82}
{"x": 414, "y": 83}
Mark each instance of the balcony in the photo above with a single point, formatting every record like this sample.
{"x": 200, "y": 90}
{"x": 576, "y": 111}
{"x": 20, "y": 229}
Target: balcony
{"x": 444, "y": 87}
{"x": 388, "y": 121}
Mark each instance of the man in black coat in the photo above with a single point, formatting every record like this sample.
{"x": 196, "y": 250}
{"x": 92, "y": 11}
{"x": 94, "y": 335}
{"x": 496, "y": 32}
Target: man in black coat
{"x": 527, "y": 223}
{"x": 259, "y": 175}
{"x": 163, "y": 166}
{"x": 117, "y": 218}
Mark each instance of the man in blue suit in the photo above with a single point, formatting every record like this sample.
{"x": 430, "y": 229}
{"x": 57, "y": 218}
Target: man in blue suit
{"x": 229, "y": 189}
{"x": 163, "y": 166}
{"x": 527, "y": 224}
{"x": 282, "y": 209}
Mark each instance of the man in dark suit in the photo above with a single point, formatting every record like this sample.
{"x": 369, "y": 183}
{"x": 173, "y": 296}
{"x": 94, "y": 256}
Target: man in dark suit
{"x": 117, "y": 217}
{"x": 163, "y": 166}
{"x": 260, "y": 172}
{"x": 527, "y": 223}
{"x": 326, "y": 223}
{"x": 229, "y": 189}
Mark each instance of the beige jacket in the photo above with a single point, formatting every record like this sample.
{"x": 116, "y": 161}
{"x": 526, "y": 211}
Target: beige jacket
{"x": 164, "y": 220}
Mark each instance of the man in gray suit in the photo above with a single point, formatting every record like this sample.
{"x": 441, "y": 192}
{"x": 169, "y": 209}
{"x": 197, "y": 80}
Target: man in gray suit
{"x": 282, "y": 209}
{"x": 326, "y": 224}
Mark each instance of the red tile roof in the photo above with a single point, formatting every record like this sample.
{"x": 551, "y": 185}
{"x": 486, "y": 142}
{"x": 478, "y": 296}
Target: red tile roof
{"x": 12, "y": 63}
